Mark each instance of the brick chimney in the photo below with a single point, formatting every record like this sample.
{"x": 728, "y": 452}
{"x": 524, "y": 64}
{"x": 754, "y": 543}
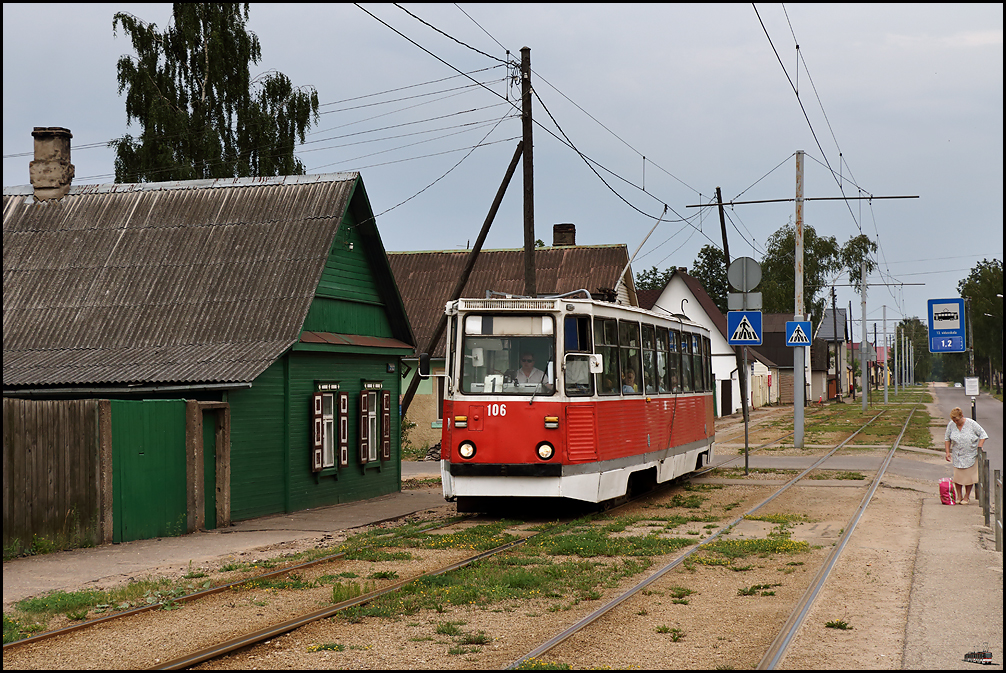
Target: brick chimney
{"x": 563, "y": 234}
{"x": 51, "y": 173}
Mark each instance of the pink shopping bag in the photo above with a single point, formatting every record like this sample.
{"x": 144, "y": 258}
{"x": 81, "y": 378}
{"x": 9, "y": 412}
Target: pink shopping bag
{"x": 947, "y": 494}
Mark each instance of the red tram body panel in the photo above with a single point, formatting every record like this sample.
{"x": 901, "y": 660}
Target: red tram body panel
{"x": 583, "y": 425}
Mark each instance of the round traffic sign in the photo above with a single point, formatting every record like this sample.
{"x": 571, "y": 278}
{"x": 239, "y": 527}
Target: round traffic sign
{"x": 744, "y": 274}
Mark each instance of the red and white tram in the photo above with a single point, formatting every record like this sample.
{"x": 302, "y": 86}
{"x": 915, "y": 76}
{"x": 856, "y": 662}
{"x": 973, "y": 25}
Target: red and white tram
{"x": 570, "y": 399}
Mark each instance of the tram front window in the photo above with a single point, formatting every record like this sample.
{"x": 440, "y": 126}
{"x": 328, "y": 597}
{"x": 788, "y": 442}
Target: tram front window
{"x": 508, "y": 355}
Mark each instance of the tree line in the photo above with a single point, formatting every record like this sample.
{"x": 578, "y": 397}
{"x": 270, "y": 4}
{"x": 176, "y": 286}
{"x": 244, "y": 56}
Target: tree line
{"x": 824, "y": 259}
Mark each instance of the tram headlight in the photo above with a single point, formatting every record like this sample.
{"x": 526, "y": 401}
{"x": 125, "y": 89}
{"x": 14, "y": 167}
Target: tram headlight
{"x": 466, "y": 449}
{"x": 545, "y": 451}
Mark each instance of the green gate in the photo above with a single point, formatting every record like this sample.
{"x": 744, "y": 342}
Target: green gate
{"x": 148, "y": 459}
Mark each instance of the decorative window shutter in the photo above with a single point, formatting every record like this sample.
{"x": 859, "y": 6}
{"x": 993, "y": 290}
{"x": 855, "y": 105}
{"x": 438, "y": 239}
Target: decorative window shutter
{"x": 385, "y": 424}
{"x": 342, "y": 416}
{"x": 317, "y": 433}
{"x": 364, "y": 429}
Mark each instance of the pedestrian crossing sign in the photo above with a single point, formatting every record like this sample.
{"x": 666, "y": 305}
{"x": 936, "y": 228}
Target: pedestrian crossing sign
{"x": 744, "y": 328}
{"x": 798, "y": 333}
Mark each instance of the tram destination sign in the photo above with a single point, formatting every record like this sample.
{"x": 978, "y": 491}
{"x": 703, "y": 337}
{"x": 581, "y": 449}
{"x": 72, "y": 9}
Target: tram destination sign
{"x": 946, "y": 326}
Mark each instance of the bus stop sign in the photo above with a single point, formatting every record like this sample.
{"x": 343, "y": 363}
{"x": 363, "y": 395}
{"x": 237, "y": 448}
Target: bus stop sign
{"x": 946, "y": 326}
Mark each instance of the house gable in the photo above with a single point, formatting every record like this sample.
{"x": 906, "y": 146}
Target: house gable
{"x": 353, "y": 296}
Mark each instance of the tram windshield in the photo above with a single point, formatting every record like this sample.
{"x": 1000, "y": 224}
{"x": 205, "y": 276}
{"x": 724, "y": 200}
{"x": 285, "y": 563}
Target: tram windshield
{"x": 508, "y": 355}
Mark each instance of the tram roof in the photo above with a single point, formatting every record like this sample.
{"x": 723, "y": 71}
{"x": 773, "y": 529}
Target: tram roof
{"x": 426, "y": 278}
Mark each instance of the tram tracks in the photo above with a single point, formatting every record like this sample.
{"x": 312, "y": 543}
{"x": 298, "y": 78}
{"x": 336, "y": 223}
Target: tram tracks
{"x": 273, "y": 631}
{"x": 778, "y": 647}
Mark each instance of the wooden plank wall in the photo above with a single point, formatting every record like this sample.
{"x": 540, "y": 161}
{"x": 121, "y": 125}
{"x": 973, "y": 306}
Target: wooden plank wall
{"x": 51, "y": 473}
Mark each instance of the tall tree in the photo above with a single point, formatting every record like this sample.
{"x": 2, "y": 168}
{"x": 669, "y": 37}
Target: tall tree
{"x": 653, "y": 279}
{"x": 710, "y": 269}
{"x": 821, "y": 261}
{"x": 201, "y": 112}
{"x": 981, "y": 286}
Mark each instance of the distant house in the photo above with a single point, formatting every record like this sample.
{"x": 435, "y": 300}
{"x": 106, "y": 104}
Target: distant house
{"x": 685, "y": 294}
{"x": 834, "y": 331}
{"x": 426, "y": 279}
{"x": 265, "y": 307}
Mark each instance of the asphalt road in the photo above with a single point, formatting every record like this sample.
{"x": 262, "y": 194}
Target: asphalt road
{"x": 988, "y": 413}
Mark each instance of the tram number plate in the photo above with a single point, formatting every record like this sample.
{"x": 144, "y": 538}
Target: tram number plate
{"x": 495, "y": 410}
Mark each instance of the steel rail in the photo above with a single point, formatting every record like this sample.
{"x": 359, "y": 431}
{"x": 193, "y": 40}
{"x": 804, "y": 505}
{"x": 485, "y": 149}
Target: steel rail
{"x": 777, "y": 649}
{"x": 593, "y": 616}
{"x": 269, "y": 632}
{"x": 195, "y": 595}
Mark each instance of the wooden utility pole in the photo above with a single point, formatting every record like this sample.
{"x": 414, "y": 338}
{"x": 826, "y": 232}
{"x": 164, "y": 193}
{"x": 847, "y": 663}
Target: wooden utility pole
{"x": 465, "y": 273}
{"x": 530, "y": 282}
{"x": 742, "y": 367}
{"x": 741, "y": 370}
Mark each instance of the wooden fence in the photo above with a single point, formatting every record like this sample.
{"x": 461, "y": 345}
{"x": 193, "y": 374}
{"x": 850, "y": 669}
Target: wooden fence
{"x": 56, "y": 473}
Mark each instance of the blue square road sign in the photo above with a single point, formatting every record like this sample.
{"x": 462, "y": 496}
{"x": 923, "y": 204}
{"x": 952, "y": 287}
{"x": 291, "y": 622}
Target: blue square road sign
{"x": 744, "y": 328}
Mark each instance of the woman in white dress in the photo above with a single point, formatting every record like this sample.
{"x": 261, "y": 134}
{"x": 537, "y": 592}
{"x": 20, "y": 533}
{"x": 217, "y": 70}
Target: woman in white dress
{"x": 963, "y": 439}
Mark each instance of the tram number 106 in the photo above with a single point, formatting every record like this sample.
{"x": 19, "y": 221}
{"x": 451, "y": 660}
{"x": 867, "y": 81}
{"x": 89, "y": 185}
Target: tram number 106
{"x": 496, "y": 410}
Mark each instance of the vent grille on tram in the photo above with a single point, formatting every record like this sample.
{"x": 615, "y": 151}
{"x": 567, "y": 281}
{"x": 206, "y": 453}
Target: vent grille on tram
{"x": 509, "y": 304}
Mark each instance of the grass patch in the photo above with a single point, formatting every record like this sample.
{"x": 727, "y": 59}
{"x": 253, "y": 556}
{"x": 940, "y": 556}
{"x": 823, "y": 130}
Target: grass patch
{"x": 32, "y": 615}
{"x": 735, "y": 549}
{"x": 591, "y": 542}
{"x": 763, "y": 589}
{"x": 738, "y": 473}
{"x": 838, "y": 624}
{"x": 344, "y": 592}
{"x": 294, "y": 581}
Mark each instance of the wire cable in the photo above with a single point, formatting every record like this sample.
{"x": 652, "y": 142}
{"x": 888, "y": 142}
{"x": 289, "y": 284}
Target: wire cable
{"x": 802, "y": 108}
{"x": 463, "y": 44}
{"x": 481, "y": 144}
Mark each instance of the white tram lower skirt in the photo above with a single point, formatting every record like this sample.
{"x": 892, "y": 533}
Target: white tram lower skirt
{"x": 590, "y": 487}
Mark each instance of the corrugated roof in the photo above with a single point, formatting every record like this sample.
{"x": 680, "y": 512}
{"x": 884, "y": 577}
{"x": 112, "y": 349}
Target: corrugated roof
{"x": 188, "y": 282}
{"x": 426, "y": 279}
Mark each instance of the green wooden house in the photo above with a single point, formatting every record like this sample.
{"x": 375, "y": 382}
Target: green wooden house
{"x": 248, "y": 334}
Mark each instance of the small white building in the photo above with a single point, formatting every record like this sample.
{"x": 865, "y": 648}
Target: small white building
{"x": 684, "y": 294}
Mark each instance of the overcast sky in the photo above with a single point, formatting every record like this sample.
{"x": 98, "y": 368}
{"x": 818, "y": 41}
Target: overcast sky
{"x": 911, "y": 95}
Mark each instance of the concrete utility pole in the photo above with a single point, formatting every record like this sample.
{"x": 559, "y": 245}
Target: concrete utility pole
{"x": 885, "y": 353}
{"x": 897, "y": 354}
{"x": 838, "y": 347}
{"x": 862, "y": 345}
{"x": 798, "y": 352}
{"x": 530, "y": 282}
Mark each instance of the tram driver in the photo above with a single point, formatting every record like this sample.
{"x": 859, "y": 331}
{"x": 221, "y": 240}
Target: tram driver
{"x": 528, "y": 373}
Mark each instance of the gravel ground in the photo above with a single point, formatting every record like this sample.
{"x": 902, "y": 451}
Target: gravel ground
{"x": 868, "y": 590}
{"x": 717, "y": 627}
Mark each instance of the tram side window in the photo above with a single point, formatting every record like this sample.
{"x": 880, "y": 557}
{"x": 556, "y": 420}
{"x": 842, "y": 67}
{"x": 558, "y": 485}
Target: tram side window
{"x": 629, "y": 356}
{"x": 708, "y": 362}
{"x": 649, "y": 359}
{"x": 698, "y": 370}
{"x": 576, "y": 365}
{"x": 606, "y": 345}
{"x": 686, "y": 363}
{"x": 663, "y": 361}
{"x": 675, "y": 360}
